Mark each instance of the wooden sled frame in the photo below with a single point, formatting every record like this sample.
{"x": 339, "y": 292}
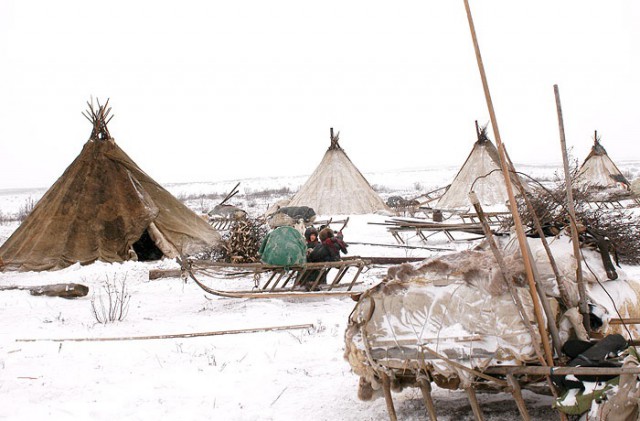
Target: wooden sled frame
{"x": 281, "y": 281}
{"x": 221, "y": 223}
{"x": 391, "y": 363}
{"x": 424, "y": 230}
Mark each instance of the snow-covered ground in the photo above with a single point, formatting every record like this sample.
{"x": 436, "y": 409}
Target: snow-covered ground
{"x": 274, "y": 375}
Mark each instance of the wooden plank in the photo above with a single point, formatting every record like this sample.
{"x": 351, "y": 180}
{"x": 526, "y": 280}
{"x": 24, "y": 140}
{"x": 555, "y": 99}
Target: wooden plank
{"x": 629, "y": 321}
{"x": 395, "y": 360}
{"x": 562, "y": 371}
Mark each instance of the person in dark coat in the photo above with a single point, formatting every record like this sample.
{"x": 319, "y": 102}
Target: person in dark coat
{"x": 311, "y": 235}
{"x": 329, "y": 248}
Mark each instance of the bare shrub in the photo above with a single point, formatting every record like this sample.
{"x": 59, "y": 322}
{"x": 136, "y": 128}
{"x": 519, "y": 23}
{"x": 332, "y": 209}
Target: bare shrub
{"x": 184, "y": 197}
{"x": 26, "y": 208}
{"x": 4, "y": 219}
{"x": 621, "y": 226}
{"x": 114, "y": 306}
{"x": 282, "y": 191}
{"x": 380, "y": 188}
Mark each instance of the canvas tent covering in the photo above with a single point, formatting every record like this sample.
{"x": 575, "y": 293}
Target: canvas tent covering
{"x": 480, "y": 172}
{"x": 599, "y": 172}
{"x": 104, "y": 207}
{"x": 337, "y": 187}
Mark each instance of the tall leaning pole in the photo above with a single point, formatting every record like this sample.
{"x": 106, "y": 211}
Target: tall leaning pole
{"x": 582, "y": 290}
{"x": 522, "y": 240}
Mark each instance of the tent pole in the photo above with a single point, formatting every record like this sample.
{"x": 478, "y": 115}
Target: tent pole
{"x": 524, "y": 247}
{"x": 582, "y": 290}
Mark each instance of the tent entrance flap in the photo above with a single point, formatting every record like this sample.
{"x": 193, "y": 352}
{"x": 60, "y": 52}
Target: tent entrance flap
{"x": 146, "y": 248}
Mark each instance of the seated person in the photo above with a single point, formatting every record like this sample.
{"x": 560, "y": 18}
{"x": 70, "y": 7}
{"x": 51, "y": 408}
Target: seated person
{"x": 329, "y": 248}
{"x": 311, "y": 234}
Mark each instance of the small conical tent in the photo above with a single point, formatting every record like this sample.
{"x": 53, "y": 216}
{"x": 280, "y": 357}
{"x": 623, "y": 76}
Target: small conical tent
{"x": 104, "y": 207}
{"x": 481, "y": 172}
{"x": 337, "y": 187}
{"x": 599, "y": 172}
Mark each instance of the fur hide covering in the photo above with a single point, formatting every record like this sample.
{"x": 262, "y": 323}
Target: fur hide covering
{"x": 476, "y": 268}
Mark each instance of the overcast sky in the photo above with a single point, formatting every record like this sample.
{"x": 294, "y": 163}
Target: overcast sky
{"x": 225, "y": 90}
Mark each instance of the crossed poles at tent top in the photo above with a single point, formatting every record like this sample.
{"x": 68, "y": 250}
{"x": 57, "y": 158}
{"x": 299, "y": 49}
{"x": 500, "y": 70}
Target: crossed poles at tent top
{"x": 99, "y": 119}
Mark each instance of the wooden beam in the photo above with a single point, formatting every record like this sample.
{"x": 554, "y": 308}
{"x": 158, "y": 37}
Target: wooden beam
{"x": 388, "y": 399}
{"x": 54, "y": 290}
{"x": 629, "y": 321}
{"x": 512, "y": 201}
{"x": 475, "y": 406}
{"x": 582, "y": 289}
{"x": 517, "y": 396}
{"x": 173, "y": 336}
{"x": 425, "y": 388}
{"x": 464, "y": 367}
{"x": 562, "y": 371}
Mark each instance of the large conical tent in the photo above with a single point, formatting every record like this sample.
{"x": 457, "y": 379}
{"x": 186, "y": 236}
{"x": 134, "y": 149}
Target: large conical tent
{"x": 598, "y": 171}
{"x": 481, "y": 172}
{"x": 337, "y": 187}
{"x": 104, "y": 207}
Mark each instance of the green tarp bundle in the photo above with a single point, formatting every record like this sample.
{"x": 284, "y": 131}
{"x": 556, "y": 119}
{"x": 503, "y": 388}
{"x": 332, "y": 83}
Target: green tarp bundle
{"x": 284, "y": 246}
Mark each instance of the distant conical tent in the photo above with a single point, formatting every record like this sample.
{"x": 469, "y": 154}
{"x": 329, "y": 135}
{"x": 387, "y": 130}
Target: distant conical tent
{"x": 481, "y": 172}
{"x": 337, "y": 187}
{"x": 104, "y": 207}
{"x": 599, "y": 172}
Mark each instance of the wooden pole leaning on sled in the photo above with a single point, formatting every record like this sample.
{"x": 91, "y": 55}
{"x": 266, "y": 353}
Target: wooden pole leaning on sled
{"x": 522, "y": 241}
{"x": 584, "y": 308}
{"x": 530, "y": 271}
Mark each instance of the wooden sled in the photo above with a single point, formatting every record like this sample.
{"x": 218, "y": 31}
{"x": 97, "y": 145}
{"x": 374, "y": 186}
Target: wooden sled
{"x": 221, "y": 223}
{"x": 394, "y": 364}
{"x": 425, "y": 229}
{"x": 295, "y": 281}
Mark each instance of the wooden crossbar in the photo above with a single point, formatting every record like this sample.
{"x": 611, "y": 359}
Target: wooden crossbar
{"x": 221, "y": 223}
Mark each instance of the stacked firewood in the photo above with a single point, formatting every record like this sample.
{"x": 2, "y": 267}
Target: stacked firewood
{"x": 242, "y": 242}
{"x": 621, "y": 226}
